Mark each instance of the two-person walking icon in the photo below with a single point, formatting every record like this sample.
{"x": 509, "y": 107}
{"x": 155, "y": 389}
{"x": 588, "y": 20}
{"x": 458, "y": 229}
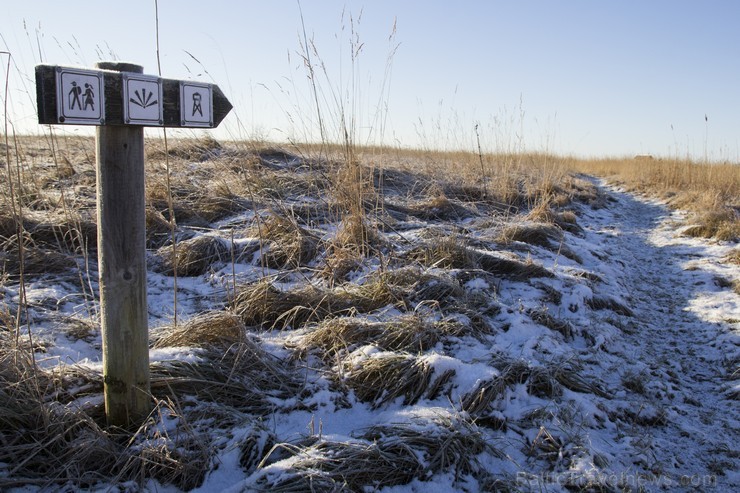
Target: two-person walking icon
{"x": 74, "y": 97}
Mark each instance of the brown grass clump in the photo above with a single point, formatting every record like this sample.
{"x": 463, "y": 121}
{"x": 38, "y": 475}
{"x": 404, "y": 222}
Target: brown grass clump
{"x": 69, "y": 233}
{"x": 478, "y": 402}
{"x": 157, "y": 197}
{"x": 344, "y": 466}
{"x": 195, "y": 256}
{"x": 36, "y": 261}
{"x": 733, "y": 257}
{"x": 453, "y": 254}
{"x": 722, "y": 224}
{"x": 413, "y": 285}
{"x": 200, "y": 149}
{"x": 447, "y": 252}
{"x": 440, "y": 208}
{"x": 512, "y": 269}
{"x": 542, "y": 317}
{"x": 338, "y": 264}
{"x": 357, "y": 234}
{"x": 570, "y": 375}
{"x": 383, "y": 378}
{"x": 158, "y": 230}
{"x": 218, "y": 202}
{"x": 215, "y": 328}
{"x": 452, "y": 442}
{"x": 197, "y": 200}
{"x": 544, "y": 235}
{"x": 255, "y": 446}
{"x": 542, "y": 381}
{"x": 60, "y": 446}
{"x": 406, "y": 333}
{"x": 607, "y": 303}
{"x": 262, "y": 304}
{"x": 244, "y": 377}
{"x": 545, "y": 213}
{"x": 291, "y": 246}
{"x": 388, "y": 455}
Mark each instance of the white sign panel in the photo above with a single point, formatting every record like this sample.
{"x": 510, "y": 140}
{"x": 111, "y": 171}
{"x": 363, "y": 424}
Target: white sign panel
{"x": 196, "y": 104}
{"x": 80, "y": 96}
{"x": 142, "y": 99}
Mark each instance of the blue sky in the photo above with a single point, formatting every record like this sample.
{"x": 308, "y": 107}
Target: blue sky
{"x": 590, "y": 78}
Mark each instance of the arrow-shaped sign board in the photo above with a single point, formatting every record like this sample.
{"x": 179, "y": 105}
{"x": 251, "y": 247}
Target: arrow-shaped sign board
{"x": 75, "y": 96}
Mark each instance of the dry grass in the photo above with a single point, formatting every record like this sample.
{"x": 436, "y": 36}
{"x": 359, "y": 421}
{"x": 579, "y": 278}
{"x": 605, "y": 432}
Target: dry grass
{"x": 290, "y": 245}
{"x": 542, "y": 317}
{"x": 358, "y": 202}
{"x": 53, "y": 445}
{"x": 733, "y": 257}
{"x": 456, "y": 254}
{"x": 243, "y": 377}
{"x": 710, "y": 190}
{"x": 334, "y": 466}
{"x": 195, "y": 256}
{"x": 446, "y": 252}
{"x": 722, "y": 223}
{"x": 356, "y": 234}
{"x": 608, "y": 303}
{"x": 478, "y": 402}
{"x": 66, "y": 232}
{"x": 452, "y": 442}
{"x": 407, "y": 333}
{"x": 385, "y": 377}
{"x": 263, "y": 305}
{"x": 215, "y": 328}
{"x": 388, "y": 455}
{"x": 35, "y": 261}
{"x": 543, "y": 235}
{"x": 413, "y": 286}
{"x": 541, "y": 381}
{"x": 338, "y": 264}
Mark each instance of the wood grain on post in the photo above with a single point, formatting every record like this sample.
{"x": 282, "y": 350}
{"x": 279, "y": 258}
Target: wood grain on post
{"x": 122, "y": 265}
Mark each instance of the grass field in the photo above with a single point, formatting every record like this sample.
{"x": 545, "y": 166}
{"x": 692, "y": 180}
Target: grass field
{"x": 279, "y": 273}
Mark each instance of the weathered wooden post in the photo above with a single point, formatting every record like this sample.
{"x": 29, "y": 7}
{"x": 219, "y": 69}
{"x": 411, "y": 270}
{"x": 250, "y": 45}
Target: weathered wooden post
{"x": 122, "y": 266}
{"x": 120, "y": 100}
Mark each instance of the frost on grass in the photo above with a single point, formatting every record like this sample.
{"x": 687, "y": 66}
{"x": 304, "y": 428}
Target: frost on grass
{"x": 442, "y": 335}
{"x": 380, "y": 456}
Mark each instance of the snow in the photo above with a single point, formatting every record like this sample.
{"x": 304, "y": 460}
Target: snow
{"x": 680, "y": 431}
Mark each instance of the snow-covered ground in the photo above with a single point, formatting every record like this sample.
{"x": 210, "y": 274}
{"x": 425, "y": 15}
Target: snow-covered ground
{"x": 637, "y": 325}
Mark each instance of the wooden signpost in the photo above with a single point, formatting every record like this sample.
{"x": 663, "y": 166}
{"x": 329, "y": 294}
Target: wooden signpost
{"x": 120, "y": 100}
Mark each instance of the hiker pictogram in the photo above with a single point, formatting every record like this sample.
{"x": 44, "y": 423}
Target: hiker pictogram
{"x": 197, "y": 104}
{"x": 74, "y": 95}
{"x": 144, "y": 99}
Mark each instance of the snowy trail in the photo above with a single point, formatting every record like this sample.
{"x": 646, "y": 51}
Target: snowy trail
{"x": 679, "y": 345}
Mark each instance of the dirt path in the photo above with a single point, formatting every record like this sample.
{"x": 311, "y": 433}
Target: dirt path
{"x": 674, "y": 361}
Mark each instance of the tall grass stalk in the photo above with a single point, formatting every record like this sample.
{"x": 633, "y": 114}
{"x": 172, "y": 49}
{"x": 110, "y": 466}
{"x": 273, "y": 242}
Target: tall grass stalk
{"x": 338, "y": 114}
{"x": 482, "y": 166}
{"x": 16, "y": 211}
{"x": 170, "y": 205}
